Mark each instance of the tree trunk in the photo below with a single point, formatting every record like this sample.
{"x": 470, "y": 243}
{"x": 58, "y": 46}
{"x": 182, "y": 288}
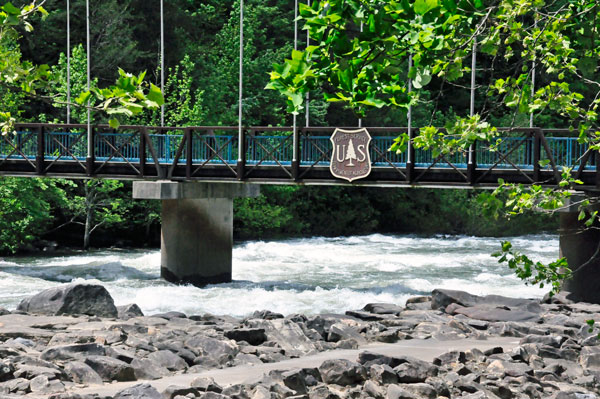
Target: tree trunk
{"x": 89, "y": 216}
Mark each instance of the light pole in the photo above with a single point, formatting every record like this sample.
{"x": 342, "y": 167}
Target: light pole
{"x": 68, "y": 62}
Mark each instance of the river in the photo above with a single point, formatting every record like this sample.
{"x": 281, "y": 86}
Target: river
{"x": 311, "y": 275}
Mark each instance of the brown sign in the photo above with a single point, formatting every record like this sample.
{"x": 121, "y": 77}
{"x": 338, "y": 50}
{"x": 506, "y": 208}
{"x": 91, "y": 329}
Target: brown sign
{"x": 350, "y": 158}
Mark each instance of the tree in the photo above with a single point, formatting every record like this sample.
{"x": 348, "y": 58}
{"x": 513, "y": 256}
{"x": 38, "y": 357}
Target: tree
{"x": 350, "y": 153}
{"x": 367, "y": 69}
{"x": 129, "y": 96}
{"x": 95, "y": 205}
{"x": 26, "y": 210}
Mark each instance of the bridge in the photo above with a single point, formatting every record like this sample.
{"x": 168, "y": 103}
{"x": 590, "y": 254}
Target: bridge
{"x": 265, "y": 155}
{"x": 197, "y": 171}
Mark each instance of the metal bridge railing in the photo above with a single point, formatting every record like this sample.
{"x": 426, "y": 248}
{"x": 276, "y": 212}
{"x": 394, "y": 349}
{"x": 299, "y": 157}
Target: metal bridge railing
{"x": 567, "y": 151}
{"x": 212, "y": 152}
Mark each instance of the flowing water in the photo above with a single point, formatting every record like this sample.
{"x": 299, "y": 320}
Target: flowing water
{"x": 312, "y": 275}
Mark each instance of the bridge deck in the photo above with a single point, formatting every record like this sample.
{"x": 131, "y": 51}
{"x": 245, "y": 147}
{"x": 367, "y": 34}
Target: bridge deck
{"x": 211, "y": 153}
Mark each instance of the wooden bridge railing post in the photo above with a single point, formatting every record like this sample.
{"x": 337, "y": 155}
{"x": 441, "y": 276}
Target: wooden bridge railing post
{"x": 188, "y": 152}
{"x": 41, "y": 149}
{"x": 537, "y": 150}
{"x": 142, "y": 151}
{"x": 91, "y": 157}
{"x": 241, "y": 161}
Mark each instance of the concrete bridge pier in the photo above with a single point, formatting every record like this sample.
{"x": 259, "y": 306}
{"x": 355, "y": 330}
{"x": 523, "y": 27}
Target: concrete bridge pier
{"x": 197, "y": 228}
{"x": 579, "y": 244}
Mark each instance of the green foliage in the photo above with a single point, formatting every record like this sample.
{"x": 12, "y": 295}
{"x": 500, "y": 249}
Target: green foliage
{"x": 535, "y": 273}
{"x": 26, "y": 210}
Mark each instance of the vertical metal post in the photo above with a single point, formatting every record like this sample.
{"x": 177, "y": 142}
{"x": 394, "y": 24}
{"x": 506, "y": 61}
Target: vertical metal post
{"x": 472, "y": 163}
{"x": 162, "y": 61}
{"x": 68, "y": 61}
{"x": 410, "y": 153}
{"x": 241, "y": 139}
{"x": 361, "y": 30}
{"x": 307, "y": 116}
{"x": 537, "y": 149}
{"x": 295, "y": 138}
{"x": 90, "y": 138}
{"x": 532, "y": 80}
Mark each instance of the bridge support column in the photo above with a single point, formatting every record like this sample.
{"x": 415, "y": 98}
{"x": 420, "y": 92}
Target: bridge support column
{"x": 579, "y": 245}
{"x": 197, "y": 228}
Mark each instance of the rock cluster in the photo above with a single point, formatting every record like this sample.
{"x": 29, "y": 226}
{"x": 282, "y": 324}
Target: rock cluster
{"x": 53, "y": 354}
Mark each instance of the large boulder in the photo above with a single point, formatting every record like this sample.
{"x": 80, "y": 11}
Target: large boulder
{"x": 71, "y": 299}
{"x": 342, "y": 372}
{"x": 441, "y": 298}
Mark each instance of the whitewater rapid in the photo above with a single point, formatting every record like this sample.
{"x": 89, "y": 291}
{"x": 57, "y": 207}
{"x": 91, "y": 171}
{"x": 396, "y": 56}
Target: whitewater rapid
{"x": 310, "y": 276}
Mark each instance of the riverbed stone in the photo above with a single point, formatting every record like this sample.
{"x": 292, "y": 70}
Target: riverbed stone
{"x": 111, "y": 369}
{"x": 342, "y": 372}
{"x": 81, "y": 373}
{"x": 168, "y": 359}
{"x": 139, "y": 391}
{"x": 254, "y": 336}
{"x": 71, "y": 299}
{"x": 126, "y": 312}
{"x": 68, "y": 352}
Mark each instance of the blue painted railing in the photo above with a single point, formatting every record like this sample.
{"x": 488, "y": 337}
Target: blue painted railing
{"x": 269, "y": 150}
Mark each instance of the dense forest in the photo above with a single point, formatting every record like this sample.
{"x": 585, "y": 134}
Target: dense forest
{"x": 201, "y": 56}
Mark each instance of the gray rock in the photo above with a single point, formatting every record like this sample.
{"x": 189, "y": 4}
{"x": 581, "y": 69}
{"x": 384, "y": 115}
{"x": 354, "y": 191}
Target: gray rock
{"x": 450, "y": 358}
{"x": 4, "y": 312}
{"x": 170, "y": 315}
{"x": 41, "y": 385}
{"x": 366, "y": 316}
{"x": 31, "y": 371}
{"x": 382, "y": 308}
{"x": 342, "y": 331}
{"x": 511, "y": 369}
{"x": 383, "y": 374}
{"x": 206, "y": 384}
{"x": 590, "y": 357}
{"x": 213, "y": 351}
{"x": 146, "y": 369}
{"x": 6, "y": 371}
{"x": 71, "y": 299}
{"x": 322, "y": 392}
{"x": 491, "y": 313}
{"x": 68, "y": 352}
{"x": 295, "y": 380}
{"x": 421, "y": 390}
{"x": 287, "y": 334}
{"x": 172, "y": 391}
{"x": 397, "y": 392}
{"x": 415, "y": 371}
{"x": 127, "y": 312}
{"x": 139, "y": 391}
{"x": 254, "y": 336}
{"x": 15, "y": 385}
{"x": 550, "y": 340}
{"x": 111, "y": 369}
{"x": 441, "y": 298}
{"x": 266, "y": 315}
{"x": 168, "y": 359}
{"x": 370, "y": 358}
{"x": 81, "y": 373}
{"x": 342, "y": 372}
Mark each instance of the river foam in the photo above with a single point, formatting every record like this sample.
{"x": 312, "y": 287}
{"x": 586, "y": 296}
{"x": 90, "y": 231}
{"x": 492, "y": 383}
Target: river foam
{"x": 311, "y": 275}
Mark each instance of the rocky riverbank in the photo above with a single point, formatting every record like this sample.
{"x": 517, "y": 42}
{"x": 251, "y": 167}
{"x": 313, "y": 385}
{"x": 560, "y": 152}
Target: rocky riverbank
{"x": 72, "y": 337}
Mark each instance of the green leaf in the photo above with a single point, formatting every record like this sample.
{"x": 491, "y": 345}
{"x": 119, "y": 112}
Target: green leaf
{"x": 155, "y": 95}
{"x": 423, "y": 6}
{"x": 83, "y": 98}
{"x": 422, "y": 79}
{"x": 10, "y": 9}
{"x": 114, "y": 123}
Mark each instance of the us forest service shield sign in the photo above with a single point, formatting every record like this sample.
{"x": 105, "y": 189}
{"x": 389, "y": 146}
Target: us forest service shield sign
{"x": 350, "y": 158}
